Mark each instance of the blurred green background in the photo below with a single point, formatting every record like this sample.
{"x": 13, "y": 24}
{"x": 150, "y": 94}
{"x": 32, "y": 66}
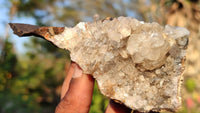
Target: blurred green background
{"x": 32, "y": 70}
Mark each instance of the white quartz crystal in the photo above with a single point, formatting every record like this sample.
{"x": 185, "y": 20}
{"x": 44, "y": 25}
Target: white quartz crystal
{"x": 139, "y": 64}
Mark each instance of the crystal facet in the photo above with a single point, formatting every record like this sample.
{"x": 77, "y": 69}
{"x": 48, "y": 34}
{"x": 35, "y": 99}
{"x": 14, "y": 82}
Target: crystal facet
{"x": 139, "y": 64}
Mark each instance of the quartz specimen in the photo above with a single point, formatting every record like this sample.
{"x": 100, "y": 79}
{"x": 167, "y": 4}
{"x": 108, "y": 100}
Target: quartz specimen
{"x": 138, "y": 64}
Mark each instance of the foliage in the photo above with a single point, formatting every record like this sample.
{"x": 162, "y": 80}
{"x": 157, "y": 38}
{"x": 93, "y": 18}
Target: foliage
{"x": 31, "y": 84}
{"x": 190, "y": 85}
{"x": 99, "y": 102}
{"x": 8, "y": 62}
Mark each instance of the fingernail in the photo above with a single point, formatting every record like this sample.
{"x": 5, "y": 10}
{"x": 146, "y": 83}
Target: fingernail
{"x": 77, "y": 72}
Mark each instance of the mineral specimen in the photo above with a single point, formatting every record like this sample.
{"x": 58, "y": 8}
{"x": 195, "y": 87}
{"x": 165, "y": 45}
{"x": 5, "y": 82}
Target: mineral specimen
{"x": 136, "y": 63}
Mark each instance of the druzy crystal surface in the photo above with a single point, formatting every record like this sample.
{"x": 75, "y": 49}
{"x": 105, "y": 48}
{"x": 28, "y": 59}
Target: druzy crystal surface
{"x": 138, "y": 64}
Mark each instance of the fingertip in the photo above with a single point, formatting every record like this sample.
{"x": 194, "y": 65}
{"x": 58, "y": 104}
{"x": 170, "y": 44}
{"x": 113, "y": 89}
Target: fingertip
{"x": 79, "y": 94}
{"x": 69, "y": 74}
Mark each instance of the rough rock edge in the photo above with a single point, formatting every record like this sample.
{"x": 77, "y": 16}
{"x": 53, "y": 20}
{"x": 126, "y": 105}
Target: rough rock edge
{"x": 49, "y": 32}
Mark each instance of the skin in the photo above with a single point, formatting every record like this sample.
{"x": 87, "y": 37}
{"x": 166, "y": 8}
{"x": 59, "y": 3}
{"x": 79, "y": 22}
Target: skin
{"x": 76, "y": 94}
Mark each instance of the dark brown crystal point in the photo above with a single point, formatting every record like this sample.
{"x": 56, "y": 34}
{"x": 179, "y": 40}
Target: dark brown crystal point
{"x": 32, "y": 30}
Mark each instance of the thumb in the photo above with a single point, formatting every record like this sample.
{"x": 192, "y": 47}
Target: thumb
{"x": 79, "y": 95}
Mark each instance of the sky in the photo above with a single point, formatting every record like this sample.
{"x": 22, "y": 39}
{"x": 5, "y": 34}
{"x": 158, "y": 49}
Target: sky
{"x": 4, "y": 20}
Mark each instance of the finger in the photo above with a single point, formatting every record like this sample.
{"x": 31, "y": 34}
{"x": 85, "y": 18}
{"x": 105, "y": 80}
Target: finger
{"x": 79, "y": 95}
{"x": 67, "y": 80}
{"x": 114, "y": 107}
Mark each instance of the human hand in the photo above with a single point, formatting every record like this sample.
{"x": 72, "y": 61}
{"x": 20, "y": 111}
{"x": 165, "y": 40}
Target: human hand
{"x": 76, "y": 94}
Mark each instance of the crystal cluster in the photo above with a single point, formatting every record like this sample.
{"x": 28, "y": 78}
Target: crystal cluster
{"x": 138, "y": 64}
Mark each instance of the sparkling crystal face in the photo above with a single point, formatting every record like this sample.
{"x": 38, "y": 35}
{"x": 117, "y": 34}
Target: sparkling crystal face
{"x": 139, "y": 64}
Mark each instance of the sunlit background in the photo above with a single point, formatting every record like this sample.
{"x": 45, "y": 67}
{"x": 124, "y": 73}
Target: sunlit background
{"x": 32, "y": 70}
